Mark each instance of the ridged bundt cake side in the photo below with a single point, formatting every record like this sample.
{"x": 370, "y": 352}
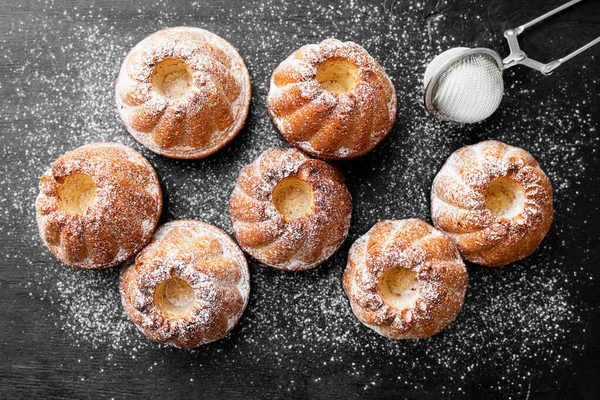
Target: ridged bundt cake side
{"x": 188, "y": 287}
{"x": 98, "y": 205}
{"x": 332, "y": 100}
{"x": 405, "y": 279}
{"x": 183, "y": 92}
{"x": 289, "y": 211}
{"x": 494, "y": 200}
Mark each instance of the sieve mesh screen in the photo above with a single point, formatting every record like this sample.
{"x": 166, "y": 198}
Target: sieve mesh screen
{"x": 469, "y": 90}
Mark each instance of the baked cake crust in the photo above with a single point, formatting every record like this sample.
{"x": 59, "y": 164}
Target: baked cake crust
{"x": 458, "y": 203}
{"x": 122, "y": 217}
{"x": 206, "y": 259}
{"x": 415, "y": 246}
{"x": 214, "y": 100}
{"x": 323, "y": 123}
{"x": 267, "y": 235}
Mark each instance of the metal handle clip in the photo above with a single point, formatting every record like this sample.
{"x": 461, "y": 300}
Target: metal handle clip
{"x": 518, "y": 56}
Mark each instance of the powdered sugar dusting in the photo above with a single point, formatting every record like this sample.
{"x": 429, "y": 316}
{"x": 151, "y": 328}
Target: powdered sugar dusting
{"x": 219, "y": 78}
{"x": 458, "y": 203}
{"x": 289, "y": 244}
{"x": 384, "y": 247}
{"x": 108, "y": 232}
{"x": 300, "y": 325}
{"x": 210, "y": 263}
{"x": 307, "y": 114}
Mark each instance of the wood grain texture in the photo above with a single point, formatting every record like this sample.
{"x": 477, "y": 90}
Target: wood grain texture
{"x": 41, "y": 357}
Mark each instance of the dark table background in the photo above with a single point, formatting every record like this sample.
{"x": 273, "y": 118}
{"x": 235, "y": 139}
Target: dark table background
{"x": 529, "y": 330}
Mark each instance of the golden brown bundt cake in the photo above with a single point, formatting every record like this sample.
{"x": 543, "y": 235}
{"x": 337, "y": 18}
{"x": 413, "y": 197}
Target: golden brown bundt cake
{"x": 405, "y": 279}
{"x": 98, "y": 205}
{"x": 289, "y": 211}
{"x": 332, "y": 100}
{"x": 188, "y": 287}
{"x": 183, "y": 92}
{"x": 494, "y": 201}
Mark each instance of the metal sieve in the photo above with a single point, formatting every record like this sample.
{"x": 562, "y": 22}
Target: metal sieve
{"x": 466, "y": 85}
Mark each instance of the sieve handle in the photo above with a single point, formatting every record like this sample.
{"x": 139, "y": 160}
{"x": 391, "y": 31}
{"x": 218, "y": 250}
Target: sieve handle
{"x": 576, "y": 52}
{"x": 558, "y": 9}
{"x": 518, "y": 56}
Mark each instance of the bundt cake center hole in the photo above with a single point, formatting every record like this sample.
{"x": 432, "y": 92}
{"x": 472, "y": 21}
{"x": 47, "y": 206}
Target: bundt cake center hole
{"x": 172, "y": 78}
{"x": 76, "y": 193}
{"x": 337, "y": 75}
{"x": 293, "y": 198}
{"x": 399, "y": 287}
{"x": 505, "y": 198}
{"x": 174, "y": 297}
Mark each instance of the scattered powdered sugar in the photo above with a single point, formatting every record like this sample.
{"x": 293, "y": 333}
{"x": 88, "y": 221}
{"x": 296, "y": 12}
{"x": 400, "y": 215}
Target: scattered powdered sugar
{"x": 300, "y": 324}
{"x": 89, "y": 305}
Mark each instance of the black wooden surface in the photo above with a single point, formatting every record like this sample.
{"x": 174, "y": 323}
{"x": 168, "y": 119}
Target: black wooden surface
{"x": 529, "y": 330}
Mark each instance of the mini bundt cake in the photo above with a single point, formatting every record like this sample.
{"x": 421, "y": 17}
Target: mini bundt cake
{"x": 494, "y": 200}
{"x": 289, "y": 211}
{"x": 183, "y": 92}
{"x": 405, "y": 279}
{"x": 332, "y": 100}
{"x": 98, "y": 205}
{"x": 188, "y": 287}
